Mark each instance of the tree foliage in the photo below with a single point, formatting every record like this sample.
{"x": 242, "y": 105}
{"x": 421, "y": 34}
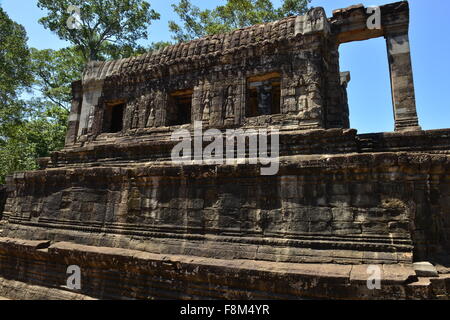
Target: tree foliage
{"x": 41, "y": 121}
{"x": 15, "y": 75}
{"x": 40, "y": 131}
{"x": 234, "y": 14}
{"x": 109, "y": 28}
{"x": 35, "y": 127}
{"x": 35, "y": 97}
{"x": 54, "y": 71}
{"x": 48, "y": 109}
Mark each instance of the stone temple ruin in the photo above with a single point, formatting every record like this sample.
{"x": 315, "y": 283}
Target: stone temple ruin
{"x": 141, "y": 227}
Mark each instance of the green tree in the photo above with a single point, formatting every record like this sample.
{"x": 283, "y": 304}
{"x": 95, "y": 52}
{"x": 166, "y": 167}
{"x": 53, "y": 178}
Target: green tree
{"x": 15, "y": 75}
{"x": 34, "y": 128}
{"x": 15, "y": 78}
{"x": 234, "y": 14}
{"x": 37, "y": 134}
{"x": 48, "y": 109}
{"x": 108, "y": 28}
{"x": 54, "y": 71}
{"x": 16, "y": 152}
{"x": 40, "y": 123}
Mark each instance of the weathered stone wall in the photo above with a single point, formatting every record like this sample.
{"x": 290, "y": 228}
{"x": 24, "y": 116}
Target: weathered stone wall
{"x": 121, "y": 206}
{"x": 360, "y": 208}
{"x": 430, "y": 141}
{"x": 3, "y": 196}
{"x": 335, "y": 104}
{"x": 144, "y": 146}
{"x": 109, "y": 273}
{"x": 155, "y": 144}
{"x": 303, "y": 50}
{"x": 75, "y": 113}
{"x": 222, "y": 80}
{"x": 216, "y": 68}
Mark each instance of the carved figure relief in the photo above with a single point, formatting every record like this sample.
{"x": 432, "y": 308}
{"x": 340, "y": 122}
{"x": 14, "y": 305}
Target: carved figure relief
{"x": 135, "y": 117}
{"x": 151, "y": 118}
{"x": 265, "y": 99}
{"x": 229, "y": 103}
{"x": 149, "y": 111}
{"x": 315, "y": 14}
{"x": 91, "y": 117}
{"x": 158, "y": 102}
{"x": 206, "y": 103}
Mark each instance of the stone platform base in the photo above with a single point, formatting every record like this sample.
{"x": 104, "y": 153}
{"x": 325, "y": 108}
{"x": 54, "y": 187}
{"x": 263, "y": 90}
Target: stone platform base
{"x": 109, "y": 273}
{"x": 15, "y": 290}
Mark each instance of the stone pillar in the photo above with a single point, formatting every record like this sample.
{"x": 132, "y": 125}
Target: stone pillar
{"x": 241, "y": 100}
{"x": 75, "y": 112}
{"x": 345, "y": 80}
{"x": 402, "y": 82}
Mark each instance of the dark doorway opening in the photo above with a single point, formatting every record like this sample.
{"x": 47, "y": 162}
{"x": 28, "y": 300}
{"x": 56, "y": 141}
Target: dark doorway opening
{"x": 180, "y": 108}
{"x": 113, "y": 118}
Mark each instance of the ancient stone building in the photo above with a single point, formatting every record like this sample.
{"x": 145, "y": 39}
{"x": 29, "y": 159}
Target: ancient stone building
{"x": 141, "y": 226}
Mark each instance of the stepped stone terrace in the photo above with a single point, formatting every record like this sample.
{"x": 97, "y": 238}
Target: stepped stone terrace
{"x": 140, "y": 226}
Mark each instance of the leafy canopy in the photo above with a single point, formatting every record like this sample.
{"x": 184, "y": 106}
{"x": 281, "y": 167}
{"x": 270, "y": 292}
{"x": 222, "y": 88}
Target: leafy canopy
{"x": 234, "y": 14}
{"x": 40, "y": 123}
{"x": 54, "y": 71}
{"x": 15, "y": 75}
{"x": 108, "y": 27}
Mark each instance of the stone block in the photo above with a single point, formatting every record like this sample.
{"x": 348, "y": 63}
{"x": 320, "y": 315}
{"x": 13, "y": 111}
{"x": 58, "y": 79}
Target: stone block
{"x": 425, "y": 269}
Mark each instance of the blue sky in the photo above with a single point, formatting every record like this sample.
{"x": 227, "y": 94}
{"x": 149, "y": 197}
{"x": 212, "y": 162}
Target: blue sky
{"x": 369, "y": 91}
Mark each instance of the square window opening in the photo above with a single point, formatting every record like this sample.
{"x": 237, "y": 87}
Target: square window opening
{"x": 113, "y": 118}
{"x": 180, "y": 108}
{"x": 263, "y": 95}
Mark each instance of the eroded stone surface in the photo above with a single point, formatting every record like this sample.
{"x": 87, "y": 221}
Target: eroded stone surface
{"x": 143, "y": 227}
{"x": 112, "y": 273}
{"x": 425, "y": 269}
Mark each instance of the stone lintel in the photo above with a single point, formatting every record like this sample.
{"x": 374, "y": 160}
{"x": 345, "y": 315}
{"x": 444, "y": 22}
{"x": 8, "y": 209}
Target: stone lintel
{"x": 350, "y": 24}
